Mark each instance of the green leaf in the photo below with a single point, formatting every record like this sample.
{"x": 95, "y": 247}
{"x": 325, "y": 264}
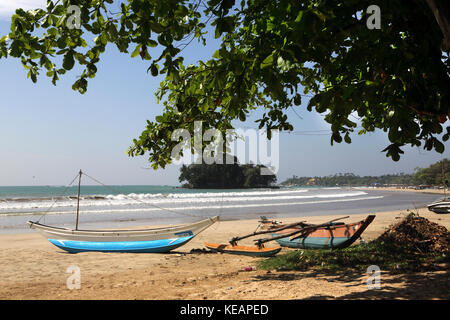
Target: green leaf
{"x": 347, "y": 138}
{"x": 216, "y": 54}
{"x": 154, "y": 69}
{"x": 268, "y": 61}
{"x": 152, "y": 43}
{"x": 299, "y": 16}
{"x": 52, "y": 32}
{"x": 439, "y": 146}
{"x": 242, "y": 116}
{"x": 68, "y": 61}
{"x": 136, "y": 51}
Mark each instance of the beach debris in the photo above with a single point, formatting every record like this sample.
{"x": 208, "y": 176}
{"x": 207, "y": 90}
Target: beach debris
{"x": 251, "y": 268}
{"x": 420, "y": 233}
{"x": 265, "y": 223}
{"x": 253, "y": 251}
{"x": 201, "y": 250}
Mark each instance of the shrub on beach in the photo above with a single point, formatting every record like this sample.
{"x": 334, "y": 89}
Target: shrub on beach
{"x": 420, "y": 234}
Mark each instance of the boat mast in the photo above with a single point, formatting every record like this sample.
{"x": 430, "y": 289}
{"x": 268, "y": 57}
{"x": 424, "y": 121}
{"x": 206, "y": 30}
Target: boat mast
{"x": 78, "y": 198}
{"x": 444, "y": 182}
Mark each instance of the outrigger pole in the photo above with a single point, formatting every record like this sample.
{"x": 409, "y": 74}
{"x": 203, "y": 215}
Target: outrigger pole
{"x": 292, "y": 225}
{"x": 299, "y": 233}
{"x": 304, "y": 229}
{"x": 78, "y": 199}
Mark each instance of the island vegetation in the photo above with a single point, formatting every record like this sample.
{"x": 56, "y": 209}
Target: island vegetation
{"x": 225, "y": 176}
{"x": 435, "y": 175}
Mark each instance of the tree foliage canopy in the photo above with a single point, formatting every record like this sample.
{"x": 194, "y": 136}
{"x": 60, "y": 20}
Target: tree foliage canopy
{"x": 436, "y": 174}
{"x": 272, "y": 53}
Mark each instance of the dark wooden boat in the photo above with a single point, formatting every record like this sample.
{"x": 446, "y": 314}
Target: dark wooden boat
{"x": 332, "y": 235}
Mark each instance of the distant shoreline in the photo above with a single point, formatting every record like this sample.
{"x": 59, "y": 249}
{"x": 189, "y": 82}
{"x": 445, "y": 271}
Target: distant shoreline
{"x": 427, "y": 190}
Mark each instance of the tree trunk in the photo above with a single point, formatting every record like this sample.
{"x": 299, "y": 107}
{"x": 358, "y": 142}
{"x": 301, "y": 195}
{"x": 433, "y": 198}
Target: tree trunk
{"x": 441, "y": 11}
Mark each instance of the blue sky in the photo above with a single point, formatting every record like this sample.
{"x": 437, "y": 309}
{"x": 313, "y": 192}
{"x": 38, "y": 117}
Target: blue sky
{"x": 48, "y": 133}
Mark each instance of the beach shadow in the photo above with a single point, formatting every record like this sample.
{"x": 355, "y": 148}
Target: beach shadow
{"x": 409, "y": 286}
{"x": 415, "y": 286}
{"x": 349, "y": 277}
{"x": 192, "y": 252}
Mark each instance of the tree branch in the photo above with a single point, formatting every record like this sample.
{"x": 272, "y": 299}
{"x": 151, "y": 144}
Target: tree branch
{"x": 441, "y": 13}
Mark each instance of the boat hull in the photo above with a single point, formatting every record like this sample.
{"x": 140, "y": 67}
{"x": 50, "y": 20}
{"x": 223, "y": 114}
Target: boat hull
{"x": 440, "y": 207}
{"x": 314, "y": 242}
{"x": 335, "y": 236}
{"x": 153, "y": 246}
{"x": 156, "y": 240}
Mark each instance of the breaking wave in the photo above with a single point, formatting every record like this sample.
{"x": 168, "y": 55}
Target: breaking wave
{"x": 138, "y": 201}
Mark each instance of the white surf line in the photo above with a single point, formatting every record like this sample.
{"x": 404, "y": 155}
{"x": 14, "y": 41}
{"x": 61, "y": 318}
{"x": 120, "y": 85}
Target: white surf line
{"x": 125, "y": 196}
{"x": 212, "y": 194}
{"x": 200, "y": 208}
{"x": 159, "y": 201}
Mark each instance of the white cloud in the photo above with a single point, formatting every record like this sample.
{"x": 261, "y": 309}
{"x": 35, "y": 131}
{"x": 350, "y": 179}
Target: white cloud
{"x": 8, "y": 7}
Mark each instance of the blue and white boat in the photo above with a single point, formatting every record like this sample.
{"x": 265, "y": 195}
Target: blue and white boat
{"x": 163, "y": 239}
{"x": 141, "y": 240}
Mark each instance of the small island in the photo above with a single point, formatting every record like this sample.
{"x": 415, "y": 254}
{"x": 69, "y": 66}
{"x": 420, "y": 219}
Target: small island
{"x": 229, "y": 175}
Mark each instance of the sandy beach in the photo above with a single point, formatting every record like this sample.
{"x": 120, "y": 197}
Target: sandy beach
{"x": 32, "y": 268}
{"x": 430, "y": 191}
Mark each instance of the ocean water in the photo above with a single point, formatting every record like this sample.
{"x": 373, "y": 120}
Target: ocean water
{"x": 122, "y": 206}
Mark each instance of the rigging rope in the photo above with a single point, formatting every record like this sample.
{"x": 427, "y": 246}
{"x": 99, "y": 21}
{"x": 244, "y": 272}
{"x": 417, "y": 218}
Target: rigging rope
{"x": 147, "y": 203}
{"x": 67, "y": 187}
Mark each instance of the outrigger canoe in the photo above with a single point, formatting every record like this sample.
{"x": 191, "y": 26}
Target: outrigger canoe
{"x": 163, "y": 239}
{"x": 333, "y": 235}
{"x": 156, "y": 240}
{"x": 243, "y": 250}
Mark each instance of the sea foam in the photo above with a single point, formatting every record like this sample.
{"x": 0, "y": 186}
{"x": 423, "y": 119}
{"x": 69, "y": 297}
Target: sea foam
{"x": 133, "y": 200}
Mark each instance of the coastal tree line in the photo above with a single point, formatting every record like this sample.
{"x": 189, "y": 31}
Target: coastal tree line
{"x": 436, "y": 175}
